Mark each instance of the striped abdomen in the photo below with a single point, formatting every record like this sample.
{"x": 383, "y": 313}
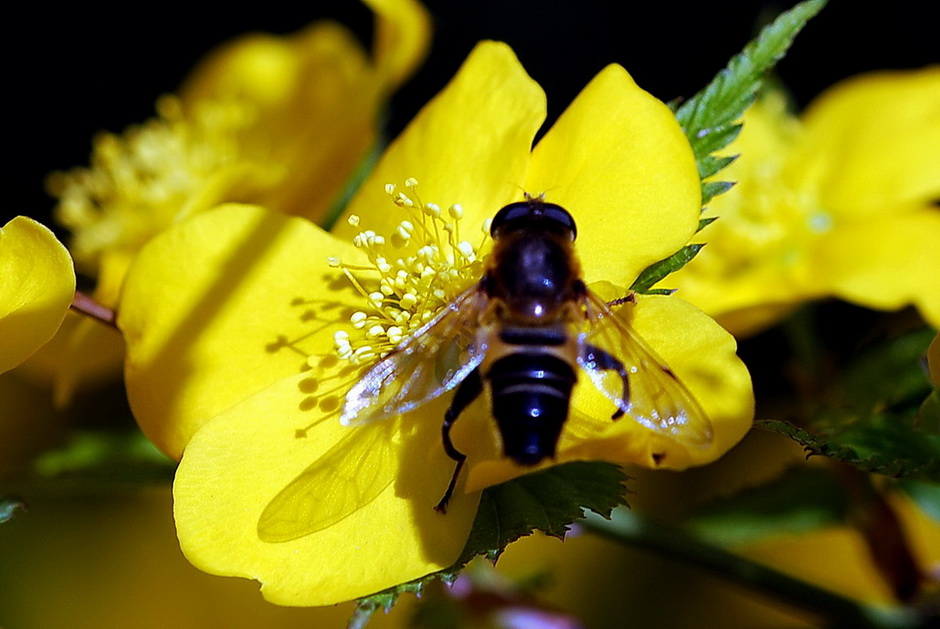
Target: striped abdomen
{"x": 531, "y": 381}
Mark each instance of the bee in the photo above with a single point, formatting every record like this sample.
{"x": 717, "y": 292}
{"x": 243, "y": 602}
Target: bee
{"x": 524, "y": 332}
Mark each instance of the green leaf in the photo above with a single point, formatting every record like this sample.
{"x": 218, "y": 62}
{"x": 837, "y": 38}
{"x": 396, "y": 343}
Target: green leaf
{"x": 106, "y": 456}
{"x": 874, "y": 416}
{"x": 710, "y": 117}
{"x": 705, "y": 222}
{"x": 548, "y": 501}
{"x": 659, "y": 270}
{"x": 889, "y": 374}
{"x": 928, "y": 417}
{"x": 710, "y": 190}
{"x": 881, "y": 444}
{"x": 802, "y": 499}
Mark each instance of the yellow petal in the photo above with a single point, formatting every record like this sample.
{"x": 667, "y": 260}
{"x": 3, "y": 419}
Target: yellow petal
{"x": 872, "y": 144}
{"x": 236, "y": 464}
{"x": 470, "y": 145}
{"x": 618, "y": 160}
{"x": 702, "y": 356}
{"x": 885, "y": 262}
{"x": 93, "y": 354}
{"x": 84, "y": 352}
{"x": 403, "y": 34}
{"x": 220, "y": 306}
{"x": 37, "y": 283}
{"x": 312, "y": 99}
{"x": 844, "y": 562}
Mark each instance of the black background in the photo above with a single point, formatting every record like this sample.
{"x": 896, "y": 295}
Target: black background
{"x": 76, "y": 70}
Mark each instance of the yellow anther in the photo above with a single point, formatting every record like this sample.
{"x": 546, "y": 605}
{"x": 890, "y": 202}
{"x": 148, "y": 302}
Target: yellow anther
{"x": 363, "y": 354}
{"x": 408, "y": 288}
{"x": 409, "y": 300}
{"x": 406, "y": 229}
{"x": 358, "y": 319}
{"x": 395, "y": 334}
{"x": 403, "y": 200}
{"x": 466, "y": 250}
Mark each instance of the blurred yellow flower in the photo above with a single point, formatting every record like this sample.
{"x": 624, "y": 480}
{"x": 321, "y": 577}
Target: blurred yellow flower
{"x": 282, "y": 121}
{"x": 37, "y": 283}
{"x": 842, "y": 560}
{"x": 236, "y": 321}
{"x": 840, "y": 202}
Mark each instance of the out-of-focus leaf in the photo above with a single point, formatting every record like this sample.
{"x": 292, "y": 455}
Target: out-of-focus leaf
{"x": 874, "y": 416}
{"x": 106, "y": 456}
{"x": 889, "y": 374}
{"x": 928, "y": 417}
{"x": 801, "y": 500}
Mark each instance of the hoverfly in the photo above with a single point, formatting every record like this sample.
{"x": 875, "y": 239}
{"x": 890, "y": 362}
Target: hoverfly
{"x": 524, "y": 331}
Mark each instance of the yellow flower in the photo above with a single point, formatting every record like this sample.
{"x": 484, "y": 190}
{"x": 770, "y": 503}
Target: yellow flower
{"x": 842, "y": 559}
{"x": 840, "y": 202}
{"x": 37, "y": 283}
{"x": 281, "y": 121}
{"x": 242, "y": 329}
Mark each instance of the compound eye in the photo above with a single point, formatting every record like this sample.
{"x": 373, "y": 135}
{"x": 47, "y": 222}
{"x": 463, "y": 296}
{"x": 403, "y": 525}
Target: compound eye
{"x": 561, "y": 216}
{"x": 535, "y": 214}
{"x": 509, "y": 214}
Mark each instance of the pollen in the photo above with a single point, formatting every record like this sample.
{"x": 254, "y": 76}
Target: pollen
{"x": 142, "y": 181}
{"x": 413, "y": 272}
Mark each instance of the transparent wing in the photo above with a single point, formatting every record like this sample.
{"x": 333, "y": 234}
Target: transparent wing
{"x": 347, "y": 477}
{"x": 431, "y": 361}
{"x": 653, "y": 397}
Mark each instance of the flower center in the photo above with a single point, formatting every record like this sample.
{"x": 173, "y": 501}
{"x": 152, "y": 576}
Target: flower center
{"x": 143, "y": 180}
{"x": 412, "y": 273}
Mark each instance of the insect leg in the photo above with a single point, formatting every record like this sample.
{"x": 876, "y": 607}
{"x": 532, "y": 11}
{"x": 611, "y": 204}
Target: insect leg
{"x": 467, "y": 392}
{"x": 603, "y": 360}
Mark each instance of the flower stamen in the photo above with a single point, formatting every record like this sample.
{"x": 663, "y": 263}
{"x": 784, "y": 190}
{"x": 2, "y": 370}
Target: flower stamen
{"x": 413, "y": 273}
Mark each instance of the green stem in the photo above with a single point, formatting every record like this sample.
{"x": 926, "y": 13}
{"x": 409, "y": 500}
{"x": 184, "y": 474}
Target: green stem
{"x": 635, "y": 531}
